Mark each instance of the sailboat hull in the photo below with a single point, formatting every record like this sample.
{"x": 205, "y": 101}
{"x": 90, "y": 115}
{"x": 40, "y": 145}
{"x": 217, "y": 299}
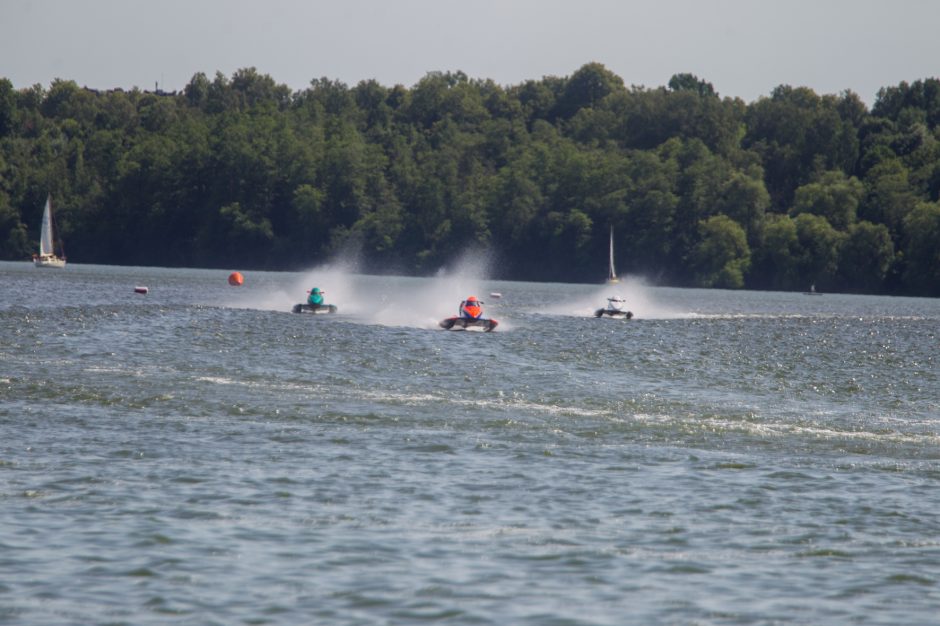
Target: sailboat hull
{"x": 48, "y": 261}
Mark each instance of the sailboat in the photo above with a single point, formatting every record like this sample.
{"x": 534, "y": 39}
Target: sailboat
{"x": 47, "y": 241}
{"x": 611, "y": 271}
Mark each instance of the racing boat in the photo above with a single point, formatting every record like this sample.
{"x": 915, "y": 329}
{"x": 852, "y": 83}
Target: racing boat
{"x": 321, "y": 309}
{"x": 466, "y": 323}
{"x": 471, "y": 316}
{"x": 614, "y": 309}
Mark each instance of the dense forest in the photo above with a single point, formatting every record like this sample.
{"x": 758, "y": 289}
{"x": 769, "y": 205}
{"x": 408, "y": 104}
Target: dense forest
{"x": 792, "y": 189}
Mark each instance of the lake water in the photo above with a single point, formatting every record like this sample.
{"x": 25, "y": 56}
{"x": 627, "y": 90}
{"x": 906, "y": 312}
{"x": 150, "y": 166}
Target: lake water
{"x": 200, "y": 455}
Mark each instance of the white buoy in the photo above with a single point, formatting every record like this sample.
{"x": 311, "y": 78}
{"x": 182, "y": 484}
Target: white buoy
{"x": 140, "y": 289}
{"x": 495, "y": 294}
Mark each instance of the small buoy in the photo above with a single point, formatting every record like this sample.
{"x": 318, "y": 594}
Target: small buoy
{"x": 235, "y": 279}
{"x": 496, "y": 294}
{"x": 140, "y": 289}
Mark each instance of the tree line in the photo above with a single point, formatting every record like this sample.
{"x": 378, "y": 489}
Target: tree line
{"x": 792, "y": 189}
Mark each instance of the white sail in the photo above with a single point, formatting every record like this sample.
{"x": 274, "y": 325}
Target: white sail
{"x": 612, "y": 271}
{"x": 45, "y": 240}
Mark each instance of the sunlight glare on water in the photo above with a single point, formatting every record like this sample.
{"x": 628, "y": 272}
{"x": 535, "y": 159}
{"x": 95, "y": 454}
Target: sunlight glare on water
{"x": 200, "y": 454}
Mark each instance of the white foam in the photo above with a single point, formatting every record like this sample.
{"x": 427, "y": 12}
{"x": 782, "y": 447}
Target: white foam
{"x": 431, "y": 300}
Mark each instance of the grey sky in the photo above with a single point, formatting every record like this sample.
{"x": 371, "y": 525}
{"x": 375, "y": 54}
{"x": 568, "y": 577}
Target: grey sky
{"x": 744, "y": 48}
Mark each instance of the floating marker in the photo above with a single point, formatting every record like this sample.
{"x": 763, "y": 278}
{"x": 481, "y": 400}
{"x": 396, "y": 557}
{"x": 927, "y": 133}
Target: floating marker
{"x": 235, "y": 279}
{"x": 496, "y": 294}
{"x": 140, "y": 289}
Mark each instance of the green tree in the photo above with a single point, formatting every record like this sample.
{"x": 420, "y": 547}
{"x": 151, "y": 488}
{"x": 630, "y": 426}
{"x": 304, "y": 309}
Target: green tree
{"x": 921, "y": 94}
{"x": 691, "y": 82}
{"x": 307, "y": 224}
{"x": 823, "y": 190}
{"x": 722, "y": 256}
{"x": 796, "y": 132}
{"x": 700, "y": 180}
{"x": 381, "y": 230}
{"x": 197, "y": 91}
{"x": 517, "y": 199}
{"x": 865, "y": 257}
{"x": 372, "y": 99}
{"x": 537, "y": 99}
{"x": 7, "y": 107}
{"x": 922, "y": 258}
{"x": 744, "y": 199}
{"x": 241, "y": 234}
{"x": 889, "y": 197}
{"x": 251, "y": 89}
{"x": 646, "y": 118}
{"x": 832, "y": 195}
{"x": 777, "y": 262}
{"x": 820, "y": 246}
{"x": 14, "y": 244}
{"x": 567, "y": 236}
{"x": 587, "y": 87}
{"x": 651, "y": 204}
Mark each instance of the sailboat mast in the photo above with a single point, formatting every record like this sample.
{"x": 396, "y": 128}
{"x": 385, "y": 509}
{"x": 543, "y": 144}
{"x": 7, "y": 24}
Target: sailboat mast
{"x": 612, "y": 275}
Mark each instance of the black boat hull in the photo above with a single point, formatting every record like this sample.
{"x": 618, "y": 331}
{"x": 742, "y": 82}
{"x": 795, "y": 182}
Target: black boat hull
{"x": 323, "y": 309}
{"x": 626, "y": 315}
{"x": 464, "y": 323}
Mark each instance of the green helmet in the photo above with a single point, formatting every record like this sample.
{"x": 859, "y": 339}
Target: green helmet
{"x": 315, "y": 290}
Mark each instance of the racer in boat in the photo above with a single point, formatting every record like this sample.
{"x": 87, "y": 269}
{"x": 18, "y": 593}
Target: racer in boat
{"x": 615, "y": 303}
{"x": 315, "y": 299}
{"x": 471, "y": 308}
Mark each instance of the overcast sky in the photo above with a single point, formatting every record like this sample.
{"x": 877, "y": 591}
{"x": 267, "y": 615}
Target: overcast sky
{"x": 745, "y": 48}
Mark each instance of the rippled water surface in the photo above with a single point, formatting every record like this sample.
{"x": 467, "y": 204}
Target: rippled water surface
{"x": 200, "y": 455}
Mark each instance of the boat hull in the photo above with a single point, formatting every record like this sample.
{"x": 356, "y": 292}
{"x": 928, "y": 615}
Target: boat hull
{"x": 465, "y": 323}
{"x": 625, "y": 315}
{"x": 48, "y": 261}
{"x": 323, "y": 309}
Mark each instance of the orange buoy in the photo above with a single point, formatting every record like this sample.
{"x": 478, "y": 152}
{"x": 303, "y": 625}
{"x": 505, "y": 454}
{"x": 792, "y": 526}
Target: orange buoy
{"x": 140, "y": 289}
{"x": 235, "y": 279}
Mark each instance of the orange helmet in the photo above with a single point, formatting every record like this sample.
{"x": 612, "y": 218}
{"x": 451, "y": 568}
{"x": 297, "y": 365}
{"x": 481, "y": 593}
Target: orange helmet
{"x": 472, "y": 299}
